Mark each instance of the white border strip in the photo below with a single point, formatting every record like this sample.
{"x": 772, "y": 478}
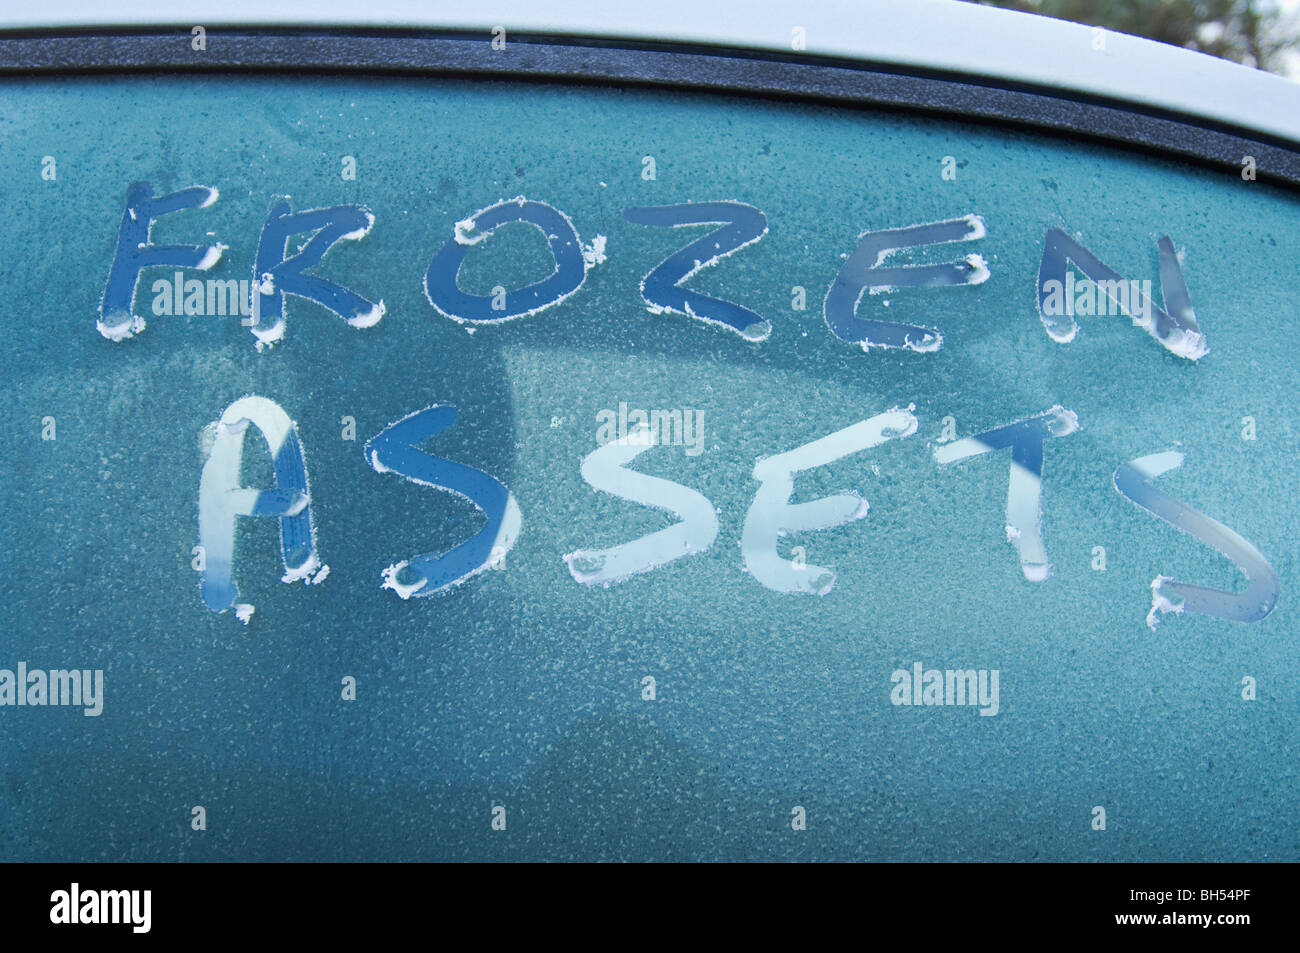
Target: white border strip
{"x": 934, "y": 34}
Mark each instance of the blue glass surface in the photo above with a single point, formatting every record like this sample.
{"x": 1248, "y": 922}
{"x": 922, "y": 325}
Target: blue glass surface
{"x": 522, "y": 687}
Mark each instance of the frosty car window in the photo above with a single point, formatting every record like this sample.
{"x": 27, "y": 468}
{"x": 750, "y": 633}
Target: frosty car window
{"x": 391, "y": 444}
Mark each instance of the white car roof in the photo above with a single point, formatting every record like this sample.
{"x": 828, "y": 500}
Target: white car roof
{"x": 944, "y": 35}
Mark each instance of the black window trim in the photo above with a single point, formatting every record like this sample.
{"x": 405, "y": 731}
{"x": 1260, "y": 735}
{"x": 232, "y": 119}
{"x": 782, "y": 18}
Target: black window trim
{"x": 773, "y": 75}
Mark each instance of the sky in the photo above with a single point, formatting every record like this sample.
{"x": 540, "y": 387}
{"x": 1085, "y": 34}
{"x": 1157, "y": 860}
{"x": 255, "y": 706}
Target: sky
{"x": 1291, "y": 61}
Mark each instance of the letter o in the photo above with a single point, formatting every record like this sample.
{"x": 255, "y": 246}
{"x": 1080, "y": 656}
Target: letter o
{"x": 570, "y": 267}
